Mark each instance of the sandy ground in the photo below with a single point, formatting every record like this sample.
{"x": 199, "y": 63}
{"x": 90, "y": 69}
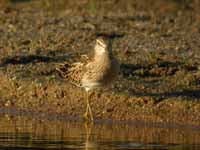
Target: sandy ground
{"x": 156, "y": 42}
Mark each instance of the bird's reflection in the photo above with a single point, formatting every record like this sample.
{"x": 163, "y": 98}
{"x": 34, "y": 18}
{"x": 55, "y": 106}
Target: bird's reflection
{"x": 18, "y": 131}
{"x": 90, "y": 143}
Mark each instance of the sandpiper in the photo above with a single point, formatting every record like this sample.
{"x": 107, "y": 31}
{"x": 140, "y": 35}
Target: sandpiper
{"x": 97, "y": 73}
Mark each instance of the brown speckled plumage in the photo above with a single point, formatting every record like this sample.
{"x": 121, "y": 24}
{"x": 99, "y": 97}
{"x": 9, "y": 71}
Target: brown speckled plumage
{"x": 99, "y": 72}
{"x": 91, "y": 74}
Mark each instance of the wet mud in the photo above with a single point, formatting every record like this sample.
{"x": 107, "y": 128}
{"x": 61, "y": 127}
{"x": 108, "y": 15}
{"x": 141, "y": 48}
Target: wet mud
{"x": 156, "y": 42}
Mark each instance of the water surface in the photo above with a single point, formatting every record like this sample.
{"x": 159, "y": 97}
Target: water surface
{"x": 32, "y": 132}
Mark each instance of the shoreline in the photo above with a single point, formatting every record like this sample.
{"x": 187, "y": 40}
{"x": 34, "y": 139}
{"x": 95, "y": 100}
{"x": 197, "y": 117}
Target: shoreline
{"x": 157, "y": 46}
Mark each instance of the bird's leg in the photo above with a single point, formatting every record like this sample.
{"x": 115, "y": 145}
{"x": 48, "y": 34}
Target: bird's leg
{"x": 88, "y": 110}
{"x": 88, "y": 128}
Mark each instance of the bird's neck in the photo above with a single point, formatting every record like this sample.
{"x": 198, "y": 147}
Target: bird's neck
{"x": 102, "y": 57}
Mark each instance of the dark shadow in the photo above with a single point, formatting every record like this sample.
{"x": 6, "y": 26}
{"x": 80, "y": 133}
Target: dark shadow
{"x": 129, "y": 69}
{"x": 25, "y": 59}
{"x": 192, "y": 94}
{"x": 156, "y": 72}
{"x": 184, "y": 4}
{"x": 17, "y": 1}
{"x": 157, "y": 69}
{"x": 110, "y": 35}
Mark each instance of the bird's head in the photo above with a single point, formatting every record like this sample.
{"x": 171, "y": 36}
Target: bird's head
{"x": 101, "y": 46}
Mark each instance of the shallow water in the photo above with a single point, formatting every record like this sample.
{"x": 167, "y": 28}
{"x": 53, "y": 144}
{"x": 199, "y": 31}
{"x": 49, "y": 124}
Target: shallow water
{"x": 32, "y": 132}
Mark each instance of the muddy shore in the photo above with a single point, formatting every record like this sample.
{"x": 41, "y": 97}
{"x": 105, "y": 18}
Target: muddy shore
{"x": 156, "y": 42}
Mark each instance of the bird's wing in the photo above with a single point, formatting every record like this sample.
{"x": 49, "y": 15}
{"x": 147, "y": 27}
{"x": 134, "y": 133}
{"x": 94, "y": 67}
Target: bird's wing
{"x": 73, "y": 72}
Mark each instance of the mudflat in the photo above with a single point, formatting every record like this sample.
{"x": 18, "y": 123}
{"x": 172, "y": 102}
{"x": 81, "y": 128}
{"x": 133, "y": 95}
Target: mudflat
{"x": 156, "y": 42}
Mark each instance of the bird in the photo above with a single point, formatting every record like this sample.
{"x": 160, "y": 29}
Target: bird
{"x": 98, "y": 72}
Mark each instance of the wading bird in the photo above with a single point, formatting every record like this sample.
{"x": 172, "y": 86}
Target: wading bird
{"x": 99, "y": 72}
